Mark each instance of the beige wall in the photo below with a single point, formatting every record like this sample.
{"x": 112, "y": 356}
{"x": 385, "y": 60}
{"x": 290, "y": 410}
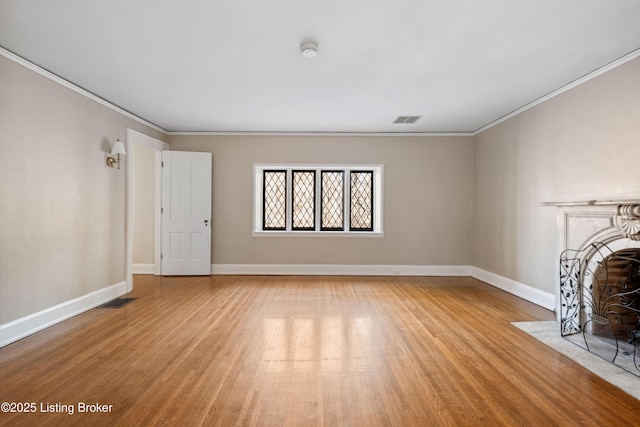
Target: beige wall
{"x": 427, "y": 192}
{"x": 62, "y": 214}
{"x": 143, "y": 205}
{"x": 581, "y": 145}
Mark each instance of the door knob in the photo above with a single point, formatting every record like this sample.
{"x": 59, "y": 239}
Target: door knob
{"x": 206, "y": 222}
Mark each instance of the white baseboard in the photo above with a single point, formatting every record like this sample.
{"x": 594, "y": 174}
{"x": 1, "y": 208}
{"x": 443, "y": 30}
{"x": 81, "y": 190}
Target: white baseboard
{"x": 340, "y": 270}
{"x": 142, "y": 268}
{"x": 20, "y": 328}
{"x": 526, "y": 292}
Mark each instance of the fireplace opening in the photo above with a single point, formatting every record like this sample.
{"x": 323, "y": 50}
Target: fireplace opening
{"x": 615, "y": 299}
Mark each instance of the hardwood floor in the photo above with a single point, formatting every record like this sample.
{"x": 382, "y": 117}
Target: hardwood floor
{"x": 273, "y": 351}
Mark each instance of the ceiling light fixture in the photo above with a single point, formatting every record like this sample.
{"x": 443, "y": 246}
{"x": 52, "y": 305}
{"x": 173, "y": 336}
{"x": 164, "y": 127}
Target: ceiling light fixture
{"x": 309, "y": 49}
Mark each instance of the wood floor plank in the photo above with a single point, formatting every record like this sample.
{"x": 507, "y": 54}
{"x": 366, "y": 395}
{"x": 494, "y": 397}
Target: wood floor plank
{"x": 306, "y": 351}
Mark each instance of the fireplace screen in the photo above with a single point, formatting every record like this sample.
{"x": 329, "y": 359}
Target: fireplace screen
{"x": 600, "y": 302}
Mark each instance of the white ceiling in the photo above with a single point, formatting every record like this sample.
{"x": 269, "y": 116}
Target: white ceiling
{"x": 235, "y": 65}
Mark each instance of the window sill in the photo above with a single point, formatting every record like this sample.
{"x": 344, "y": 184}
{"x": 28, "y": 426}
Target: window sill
{"x": 369, "y": 234}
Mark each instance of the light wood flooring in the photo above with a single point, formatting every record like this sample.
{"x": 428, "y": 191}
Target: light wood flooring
{"x": 306, "y": 351}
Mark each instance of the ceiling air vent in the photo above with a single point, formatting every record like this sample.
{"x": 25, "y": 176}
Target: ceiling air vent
{"x": 406, "y": 119}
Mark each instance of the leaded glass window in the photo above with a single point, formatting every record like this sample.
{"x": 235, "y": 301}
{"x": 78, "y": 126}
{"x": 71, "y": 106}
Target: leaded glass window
{"x": 361, "y": 201}
{"x": 304, "y": 200}
{"x": 318, "y": 200}
{"x": 275, "y": 200}
{"x": 332, "y": 201}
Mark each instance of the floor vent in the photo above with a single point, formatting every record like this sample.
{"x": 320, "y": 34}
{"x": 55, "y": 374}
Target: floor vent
{"x": 116, "y": 303}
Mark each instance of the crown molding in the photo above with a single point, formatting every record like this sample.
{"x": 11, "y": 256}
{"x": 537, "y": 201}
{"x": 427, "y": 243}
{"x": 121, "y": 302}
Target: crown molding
{"x": 615, "y": 64}
{"x": 48, "y": 74}
{"x": 320, "y": 133}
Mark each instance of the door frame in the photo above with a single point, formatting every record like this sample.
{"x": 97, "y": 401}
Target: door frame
{"x": 132, "y": 138}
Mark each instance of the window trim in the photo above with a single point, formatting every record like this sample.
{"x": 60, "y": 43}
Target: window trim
{"x": 378, "y": 197}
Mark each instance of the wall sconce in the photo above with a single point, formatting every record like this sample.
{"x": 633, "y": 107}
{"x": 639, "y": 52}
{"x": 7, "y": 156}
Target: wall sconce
{"x": 117, "y": 148}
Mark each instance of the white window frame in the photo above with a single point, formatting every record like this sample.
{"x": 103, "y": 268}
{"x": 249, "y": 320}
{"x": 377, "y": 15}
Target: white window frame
{"x": 378, "y": 200}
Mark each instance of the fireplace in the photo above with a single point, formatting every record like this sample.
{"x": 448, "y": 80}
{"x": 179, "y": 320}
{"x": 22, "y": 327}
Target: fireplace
{"x": 598, "y": 287}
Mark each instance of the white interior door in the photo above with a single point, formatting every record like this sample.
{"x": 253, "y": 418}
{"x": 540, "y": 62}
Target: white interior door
{"x": 186, "y": 213}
